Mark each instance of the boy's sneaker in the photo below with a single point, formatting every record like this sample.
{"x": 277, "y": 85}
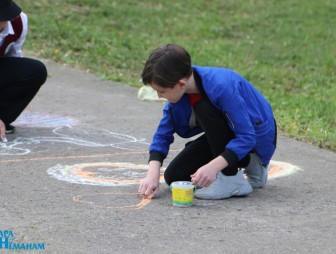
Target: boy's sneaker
{"x": 10, "y": 129}
{"x": 225, "y": 187}
{"x": 256, "y": 172}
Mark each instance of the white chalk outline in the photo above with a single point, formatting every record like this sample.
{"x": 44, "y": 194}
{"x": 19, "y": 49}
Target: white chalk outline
{"x": 69, "y": 173}
{"x": 19, "y": 145}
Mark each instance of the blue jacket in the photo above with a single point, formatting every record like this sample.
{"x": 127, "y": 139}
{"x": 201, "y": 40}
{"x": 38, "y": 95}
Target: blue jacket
{"x": 249, "y": 115}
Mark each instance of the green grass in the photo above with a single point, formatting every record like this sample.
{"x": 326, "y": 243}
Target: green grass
{"x": 285, "y": 48}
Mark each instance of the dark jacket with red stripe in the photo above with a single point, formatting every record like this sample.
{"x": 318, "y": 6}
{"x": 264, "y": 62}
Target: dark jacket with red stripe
{"x": 17, "y": 25}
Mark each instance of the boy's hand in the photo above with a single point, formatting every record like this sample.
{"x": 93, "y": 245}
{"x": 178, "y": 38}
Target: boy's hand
{"x": 3, "y": 131}
{"x": 204, "y": 176}
{"x": 148, "y": 186}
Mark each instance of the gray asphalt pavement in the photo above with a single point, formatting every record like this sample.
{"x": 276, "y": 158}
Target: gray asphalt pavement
{"x": 70, "y": 173}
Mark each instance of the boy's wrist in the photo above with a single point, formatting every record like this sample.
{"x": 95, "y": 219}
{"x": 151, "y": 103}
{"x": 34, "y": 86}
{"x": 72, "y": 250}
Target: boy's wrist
{"x": 218, "y": 164}
{"x": 154, "y": 169}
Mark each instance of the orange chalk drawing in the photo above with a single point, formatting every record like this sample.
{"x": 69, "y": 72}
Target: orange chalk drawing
{"x": 122, "y": 173}
{"x": 274, "y": 170}
{"x": 84, "y": 171}
{"x": 280, "y": 169}
{"x": 101, "y": 173}
{"x": 86, "y": 200}
{"x": 94, "y": 176}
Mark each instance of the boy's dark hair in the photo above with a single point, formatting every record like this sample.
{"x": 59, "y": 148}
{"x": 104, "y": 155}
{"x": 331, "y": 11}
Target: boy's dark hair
{"x": 166, "y": 65}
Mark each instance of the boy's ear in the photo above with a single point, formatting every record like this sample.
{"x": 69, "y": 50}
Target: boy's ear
{"x": 182, "y": 83}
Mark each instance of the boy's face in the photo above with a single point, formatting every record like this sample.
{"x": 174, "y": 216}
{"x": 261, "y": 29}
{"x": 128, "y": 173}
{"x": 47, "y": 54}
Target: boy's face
{"x": 173, "y": 95}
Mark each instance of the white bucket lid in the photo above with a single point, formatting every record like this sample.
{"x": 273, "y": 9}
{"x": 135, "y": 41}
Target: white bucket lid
{"x": 182, "y": 184}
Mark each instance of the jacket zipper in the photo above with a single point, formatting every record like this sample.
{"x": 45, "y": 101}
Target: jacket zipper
{"x": 230, "y": 120}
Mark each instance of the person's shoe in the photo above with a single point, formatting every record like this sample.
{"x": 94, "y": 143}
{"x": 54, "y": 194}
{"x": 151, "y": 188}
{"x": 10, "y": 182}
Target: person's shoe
{"x": 10, "y": 129}
{"x": 256, "y": 172}
{"x": 225, "y": 187}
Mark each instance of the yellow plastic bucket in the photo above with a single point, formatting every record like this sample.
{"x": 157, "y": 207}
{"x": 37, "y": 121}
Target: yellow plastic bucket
{"x": 182, "y": 193}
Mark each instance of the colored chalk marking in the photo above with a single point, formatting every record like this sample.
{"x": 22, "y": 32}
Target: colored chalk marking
{"x": 123, "y": 174}
{"x": 100, "y": 173}
{"x": 77, "y": 136}
{"x": 280, "y": 169}
{"x": 89, "y": 199}
{"x": 41, "y": 120}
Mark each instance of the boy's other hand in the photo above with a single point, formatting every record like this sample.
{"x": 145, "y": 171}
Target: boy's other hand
{"x": 204, "y": 176}
{"x": 3, "y": 131}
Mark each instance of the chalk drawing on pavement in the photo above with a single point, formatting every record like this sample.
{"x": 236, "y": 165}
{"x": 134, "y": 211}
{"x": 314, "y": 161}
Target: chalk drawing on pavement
{"x": 101, "y": 173}
{"x": 115, "y": 200}
{"x": 42, "y": 120}
{"x": 77, "y": 136}
{"x": 123, "y": 173}
{"x": 126, "y": 200}
{"x": 105, "y": 174}
{"x": 278, "y": 169}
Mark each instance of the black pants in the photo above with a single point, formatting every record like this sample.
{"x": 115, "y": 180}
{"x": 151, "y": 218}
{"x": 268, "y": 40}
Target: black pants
{"x": 197, "y": 153}
{"x": 20, "y": 80}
